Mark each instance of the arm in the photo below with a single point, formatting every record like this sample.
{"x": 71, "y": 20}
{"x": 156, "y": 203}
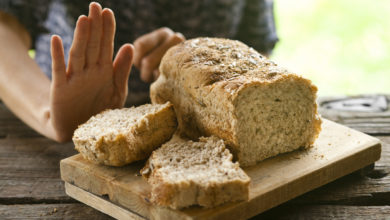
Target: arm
{"x": 23, "y": 86}
{"x": 89, "y": 84}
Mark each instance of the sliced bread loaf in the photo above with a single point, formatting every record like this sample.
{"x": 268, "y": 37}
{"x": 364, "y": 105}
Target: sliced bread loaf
{"x": 121, "y": 136}
{"x": 184, "y": 173}
{"x": 224, "y": 88}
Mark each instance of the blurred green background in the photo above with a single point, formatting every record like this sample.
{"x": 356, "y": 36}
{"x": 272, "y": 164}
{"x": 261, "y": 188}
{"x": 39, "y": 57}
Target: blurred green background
{"x": 343, "y": 46}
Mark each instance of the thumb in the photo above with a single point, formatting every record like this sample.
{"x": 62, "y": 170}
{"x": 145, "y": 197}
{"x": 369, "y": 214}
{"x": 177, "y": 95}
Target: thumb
{"x": 122, "y": 66}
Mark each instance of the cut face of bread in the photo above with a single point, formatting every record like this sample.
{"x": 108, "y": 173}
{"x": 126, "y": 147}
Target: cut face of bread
{"x": 224, "y": 88}
{"x": 121, "y": 136}
{"x": 186, "y": 173}
{"x": 274, "y": 118}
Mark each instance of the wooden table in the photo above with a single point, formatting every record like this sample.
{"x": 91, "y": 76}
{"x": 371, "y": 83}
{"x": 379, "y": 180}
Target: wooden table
{"x": 30, "y": 184}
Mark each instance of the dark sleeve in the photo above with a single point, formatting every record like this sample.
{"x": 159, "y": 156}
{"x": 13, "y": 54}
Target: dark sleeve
{"x": 31, "y": 14}
{"x": 257, "y": 26}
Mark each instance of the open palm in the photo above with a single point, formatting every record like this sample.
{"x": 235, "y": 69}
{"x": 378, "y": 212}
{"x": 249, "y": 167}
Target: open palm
{"x": 92, "y": 81}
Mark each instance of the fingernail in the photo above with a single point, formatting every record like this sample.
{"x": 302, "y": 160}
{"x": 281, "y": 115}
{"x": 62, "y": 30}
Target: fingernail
{"x": 108, "y": 9}
{"x": 181, "y": 35}
{"x": 54, "y": 36}
{"x": 95, "y": 3}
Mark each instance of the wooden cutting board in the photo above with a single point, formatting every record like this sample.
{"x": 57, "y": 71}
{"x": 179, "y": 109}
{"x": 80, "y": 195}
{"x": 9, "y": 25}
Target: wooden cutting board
{"x": 124, "y": 194}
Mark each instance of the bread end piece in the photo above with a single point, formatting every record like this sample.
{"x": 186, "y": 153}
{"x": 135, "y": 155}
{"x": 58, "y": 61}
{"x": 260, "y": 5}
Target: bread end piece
{"x": 121, "y": 136}
{"x": 189, "y": 173}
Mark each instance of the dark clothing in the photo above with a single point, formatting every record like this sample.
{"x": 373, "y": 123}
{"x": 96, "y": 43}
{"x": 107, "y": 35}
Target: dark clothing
{"x": 250, "y": 21}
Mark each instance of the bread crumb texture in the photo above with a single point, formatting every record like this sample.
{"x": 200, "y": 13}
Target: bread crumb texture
{"x": 120, "y": 136}
{"x": 224, "y": 88}
{"x": 186, "y": 173}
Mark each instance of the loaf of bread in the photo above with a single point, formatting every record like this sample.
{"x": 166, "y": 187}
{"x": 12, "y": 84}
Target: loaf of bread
{"x": 120, "y": 136}
{"x": 184, "y": 173}
{"x": 224, "y": 88}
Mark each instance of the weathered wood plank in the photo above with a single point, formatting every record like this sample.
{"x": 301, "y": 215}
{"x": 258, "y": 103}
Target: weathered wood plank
{"x": 51, "y": 211}
{"x": 29, "y": 174}
{"x": 11, "y": 126}
{"x": 29, "y": 170}
{"x": 285, "y": 211}
{"x": 350, "y": 190}
{"x": 337, "y": 152}
{"x": 384, "y": 162}
{"x": 80, "y": 211}
{"x": 373, "y": 189}
{"x": 369, "y": 114}
{"x": 326, "y": 212}
{"x": 101, "y": 204}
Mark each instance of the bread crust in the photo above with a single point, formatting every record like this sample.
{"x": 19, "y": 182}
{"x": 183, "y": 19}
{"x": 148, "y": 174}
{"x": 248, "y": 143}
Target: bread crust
{"x": 204, "y": 77}
{"x": 191, "y": 189}
{"x": 136, "y": 143}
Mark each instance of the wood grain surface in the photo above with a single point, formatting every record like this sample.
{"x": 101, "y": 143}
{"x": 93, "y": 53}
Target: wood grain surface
{"x": 31, "y": 188}
{"x": 338, "y": 151}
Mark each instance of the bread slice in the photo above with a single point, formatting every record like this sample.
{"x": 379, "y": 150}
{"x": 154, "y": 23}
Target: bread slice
{"x": 184, "y": 173}
{"x": 120, "y": 136}
{"x": 224, "y": 88}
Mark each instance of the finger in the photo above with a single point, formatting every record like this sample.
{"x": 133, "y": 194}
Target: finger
{"x": 95, "y": 35}
{"x": 58, "y": 60}
{"x": 79, "y": 45}
{"x": 144, "y": 44}
{"x": 153, "y": 59}
{"x": 107, "y": 48}
{"x": 122, "y": 65}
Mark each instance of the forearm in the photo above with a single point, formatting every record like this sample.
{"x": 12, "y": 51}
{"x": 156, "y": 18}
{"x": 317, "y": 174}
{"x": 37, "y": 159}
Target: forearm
{"x": 23, "y": 87}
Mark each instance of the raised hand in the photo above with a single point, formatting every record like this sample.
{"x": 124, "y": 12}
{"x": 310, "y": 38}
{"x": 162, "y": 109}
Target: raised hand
{"x": 92, "y": 81}
{"x": 150, "y": 48}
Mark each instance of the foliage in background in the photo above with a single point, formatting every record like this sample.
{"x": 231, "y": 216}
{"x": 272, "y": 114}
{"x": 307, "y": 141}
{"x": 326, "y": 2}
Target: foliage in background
{"x": 343, "y": 46}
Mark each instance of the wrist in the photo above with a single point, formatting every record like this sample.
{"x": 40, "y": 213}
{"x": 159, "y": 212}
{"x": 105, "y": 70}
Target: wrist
{"x": 53, "y": 130}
